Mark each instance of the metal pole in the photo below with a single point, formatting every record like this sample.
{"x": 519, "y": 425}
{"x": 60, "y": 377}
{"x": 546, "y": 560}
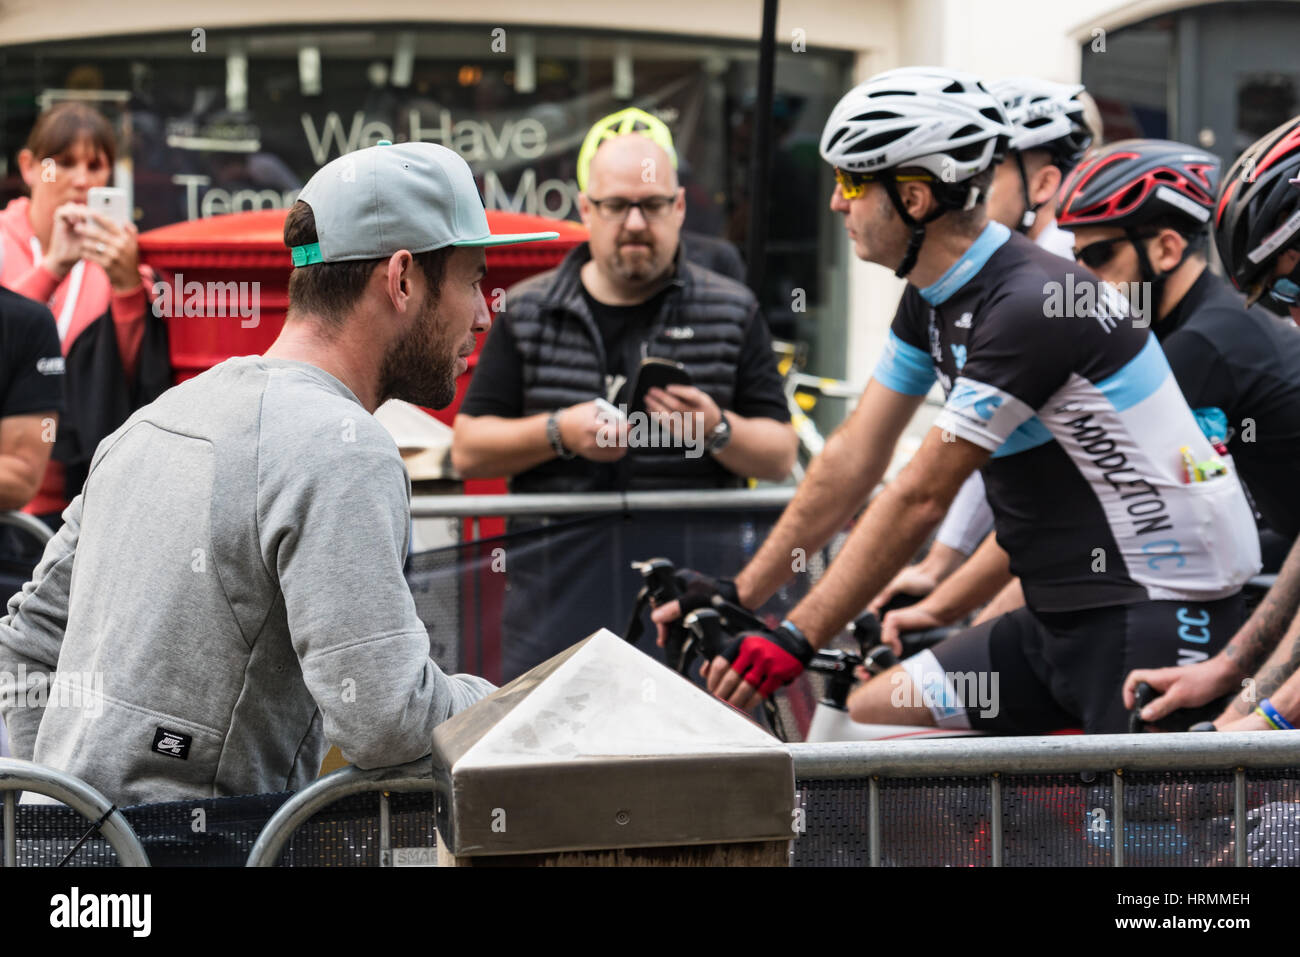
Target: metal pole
{"x": 590, "y": 503}
{"x": 385, "y": 840}
{"x": 873, "y": 821}
{"x": 995, "y": 802}
{"x": 760, "y": 164}
{"x": 1239, "y": 818}
{"x": 979, "y": 757}
{"x": 1117, "y": 816}
{"x": 11, "y": 837}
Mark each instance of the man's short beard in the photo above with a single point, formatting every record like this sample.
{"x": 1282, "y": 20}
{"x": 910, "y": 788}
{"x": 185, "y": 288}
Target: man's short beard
{"x": 623, "y": 268}
{"x": 420, "y": 367}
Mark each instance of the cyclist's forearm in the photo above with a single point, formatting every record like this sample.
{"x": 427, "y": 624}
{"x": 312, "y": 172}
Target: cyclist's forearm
{"x": 942, "y": 561}
{"x": 1279, "y": 669}
{"x": 885, "y": 537}
{"x": 978, "y": 581}
{"x": 837, "y": 483}
{"x": 1286, "y": 698}
{"x": 1266, "y": 625}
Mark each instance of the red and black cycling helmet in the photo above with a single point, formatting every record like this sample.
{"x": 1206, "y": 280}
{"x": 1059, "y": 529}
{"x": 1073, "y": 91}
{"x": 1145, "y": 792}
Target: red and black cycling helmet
{"x": 1133, "y": 183}
{"x": 1258, "y": 214}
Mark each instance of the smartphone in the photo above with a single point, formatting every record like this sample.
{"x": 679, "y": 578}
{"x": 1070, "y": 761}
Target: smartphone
{"x": 654, "y": 373}
{"x": 109, "y": 201}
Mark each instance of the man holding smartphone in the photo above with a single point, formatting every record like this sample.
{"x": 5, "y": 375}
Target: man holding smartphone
{"x": 581, "y": 332}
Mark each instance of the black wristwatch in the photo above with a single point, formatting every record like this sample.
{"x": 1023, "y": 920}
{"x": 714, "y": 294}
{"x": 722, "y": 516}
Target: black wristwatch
{"x": 717, "y": 440}
{"x": 553, "y": 436}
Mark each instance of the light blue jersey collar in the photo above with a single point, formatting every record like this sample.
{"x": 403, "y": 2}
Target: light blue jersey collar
{"x": 970, "y": 263}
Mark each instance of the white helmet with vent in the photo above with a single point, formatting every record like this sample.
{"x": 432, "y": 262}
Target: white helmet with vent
{"x": 940, "y": 120}
{"x": 1046, "y": 115}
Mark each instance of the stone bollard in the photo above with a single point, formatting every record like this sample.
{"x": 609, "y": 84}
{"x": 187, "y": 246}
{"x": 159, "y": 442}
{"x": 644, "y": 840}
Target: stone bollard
{"x": 602, "y": 756}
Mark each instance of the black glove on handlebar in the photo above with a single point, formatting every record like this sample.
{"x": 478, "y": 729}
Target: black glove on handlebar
{"x": 698, "y": 590}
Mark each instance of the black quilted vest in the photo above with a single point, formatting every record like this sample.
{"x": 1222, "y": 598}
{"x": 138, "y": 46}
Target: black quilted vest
{"x": 702, "y": 324}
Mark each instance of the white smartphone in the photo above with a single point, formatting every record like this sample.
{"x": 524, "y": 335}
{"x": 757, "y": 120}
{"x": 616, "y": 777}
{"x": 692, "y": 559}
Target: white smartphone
{"x": 611, "y": 410}
{"x": 109, "y": 201}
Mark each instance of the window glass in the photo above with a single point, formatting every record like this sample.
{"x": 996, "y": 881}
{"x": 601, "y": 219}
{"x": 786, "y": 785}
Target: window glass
{"x": 243, "y": 122}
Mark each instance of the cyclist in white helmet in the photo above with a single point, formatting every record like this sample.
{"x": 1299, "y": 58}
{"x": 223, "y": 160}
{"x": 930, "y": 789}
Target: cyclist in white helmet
{"x": 1076, "y": 422}
{"x": 1051, "y": 137}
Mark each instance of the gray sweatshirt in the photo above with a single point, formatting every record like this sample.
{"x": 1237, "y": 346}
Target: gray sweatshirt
{"x": 226, "y": 599}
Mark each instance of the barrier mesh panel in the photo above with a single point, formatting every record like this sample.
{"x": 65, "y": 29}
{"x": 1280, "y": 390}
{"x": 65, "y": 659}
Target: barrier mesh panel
{"x": 346, "y": 834}
{"x": 1182, "y": 819}
{"x": 1056, "y": 820}
{"x": 1273, "y": 818}
{"x": 1174, "y": 819}
{"x": 924, "y": 822}
{"x": 934, "y": 822}
{"x": 835, "y": 824}
{"x": 209, "y": 833}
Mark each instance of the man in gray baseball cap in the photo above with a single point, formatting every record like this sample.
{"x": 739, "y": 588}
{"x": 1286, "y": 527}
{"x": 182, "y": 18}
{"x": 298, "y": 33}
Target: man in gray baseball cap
{"x": 239, "y": 603}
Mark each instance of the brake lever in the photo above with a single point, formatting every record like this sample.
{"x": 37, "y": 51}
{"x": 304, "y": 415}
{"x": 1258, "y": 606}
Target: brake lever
{"x": 660, "y": 587}
{"x": 1143, "y": 695}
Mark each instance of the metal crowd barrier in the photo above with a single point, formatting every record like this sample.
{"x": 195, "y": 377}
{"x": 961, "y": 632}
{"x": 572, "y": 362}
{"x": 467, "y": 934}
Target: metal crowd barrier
{"x": 1197, "y": 769}
{"x": 27, "y": 523}
{"x": 994, "y": 763}
{"x": 574, "y": 503}
{"x": 104, "y": 817}
{"x": 345, "y": 782}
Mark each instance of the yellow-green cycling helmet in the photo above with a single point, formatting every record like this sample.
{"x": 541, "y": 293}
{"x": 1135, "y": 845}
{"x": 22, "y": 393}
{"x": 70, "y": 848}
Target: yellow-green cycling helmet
{"x": 630, "y": 120}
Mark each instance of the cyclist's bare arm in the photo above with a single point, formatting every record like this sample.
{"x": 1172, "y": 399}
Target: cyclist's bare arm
{"x": 836, "y": 486}
{"x": 1278, "y": 671}
{"x": 923, "y": 577}
{"x": 976, "y": 582}
{"x": 888, "y": 534}
{"x": 1266, "y": 625}
{"x": 1011, "y": 597}
{"x": 1283, "y": 693}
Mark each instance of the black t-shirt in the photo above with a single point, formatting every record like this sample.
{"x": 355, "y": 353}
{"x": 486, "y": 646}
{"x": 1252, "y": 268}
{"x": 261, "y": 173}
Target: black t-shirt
{"x": 497, "y": 387}
{"x": 616, "y": 323}
{"x": 31, "y": 362}
{"x": 1246, "y": 363}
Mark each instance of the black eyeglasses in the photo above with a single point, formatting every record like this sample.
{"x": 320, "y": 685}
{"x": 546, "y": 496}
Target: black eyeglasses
{"x": 616, "y": 207}
{"x": 1098, "y": 253}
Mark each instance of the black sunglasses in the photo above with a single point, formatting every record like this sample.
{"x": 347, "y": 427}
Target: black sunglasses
{"x": 1098, "y": 253}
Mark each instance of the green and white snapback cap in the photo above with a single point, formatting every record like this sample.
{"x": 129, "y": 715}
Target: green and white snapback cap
{"x": 372, "y": 202}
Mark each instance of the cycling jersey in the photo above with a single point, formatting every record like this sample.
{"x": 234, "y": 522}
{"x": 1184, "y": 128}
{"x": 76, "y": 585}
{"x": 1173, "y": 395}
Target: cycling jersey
{"x": 1245, "y": 363}
{"x": 969, "y": 518}
{"x": 1085, "y": 421}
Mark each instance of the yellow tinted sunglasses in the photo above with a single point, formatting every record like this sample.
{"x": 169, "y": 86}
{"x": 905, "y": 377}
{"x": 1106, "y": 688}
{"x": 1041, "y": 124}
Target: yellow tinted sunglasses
{"x": 853, "y": 185}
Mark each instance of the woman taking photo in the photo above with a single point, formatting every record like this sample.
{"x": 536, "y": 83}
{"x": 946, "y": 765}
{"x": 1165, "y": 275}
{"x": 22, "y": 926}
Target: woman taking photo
{"x": 86, "y": 268}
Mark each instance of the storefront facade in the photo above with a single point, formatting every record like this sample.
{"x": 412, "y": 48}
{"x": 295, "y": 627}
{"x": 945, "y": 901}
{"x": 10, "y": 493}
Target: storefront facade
{"x": 233, "y": 108}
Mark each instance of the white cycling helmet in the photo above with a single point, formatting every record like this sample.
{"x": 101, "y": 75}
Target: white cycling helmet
{"x": 942, "y": 121}
{"x": 1047, "y": 116}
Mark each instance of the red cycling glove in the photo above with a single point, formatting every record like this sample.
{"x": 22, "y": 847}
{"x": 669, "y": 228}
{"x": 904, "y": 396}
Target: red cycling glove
{"x": 770, "y": 660}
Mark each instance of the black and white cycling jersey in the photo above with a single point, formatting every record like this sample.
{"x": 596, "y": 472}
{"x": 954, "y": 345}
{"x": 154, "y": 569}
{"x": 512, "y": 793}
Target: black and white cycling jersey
{"x": 1041, "y": 366}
